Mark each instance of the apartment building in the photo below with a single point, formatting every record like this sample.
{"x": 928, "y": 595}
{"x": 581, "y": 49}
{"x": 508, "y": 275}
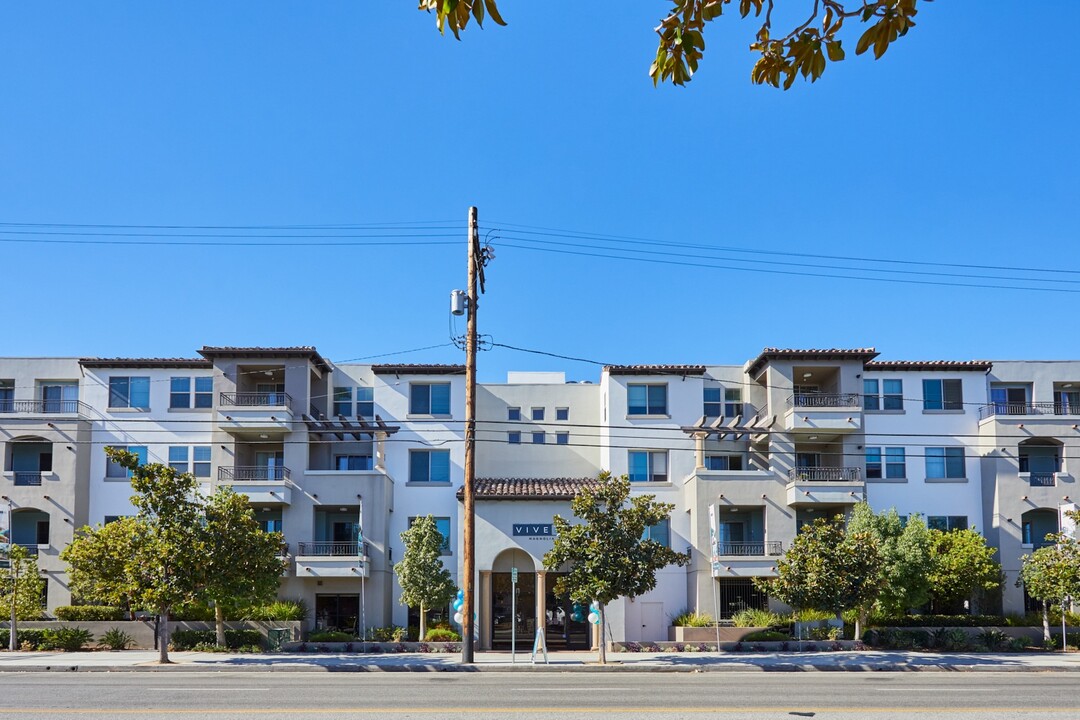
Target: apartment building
{"x": 341, "y": 458}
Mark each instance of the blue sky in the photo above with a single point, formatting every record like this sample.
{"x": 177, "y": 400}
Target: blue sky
{"x": 959, "y": 146}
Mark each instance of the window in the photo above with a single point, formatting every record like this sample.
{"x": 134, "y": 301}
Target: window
{"x": 714, "y": 405}
{"x": 178, "y": 458}
{"x": 539, "y": 438}
{"x": 342, "y": 401}
{"x": 947, "y": 523}
{"x": 648, "y": 466}
{"x": 180, "y": 392}
{"x": 562, "y": 413}
{"x": 513, "y": 414}
{"x": 894, "y": 465}
{"x": 891, "y": 399}
{"x": 204, "y": 392}
{"x": 129, "y": 392}
{"x": 646, "y": 399}
{"x": 202, "y": 461}
{"x": 7, "y": 396}
{"x": 443, "y": 525}
{"x": 944, "y": 462}
{"x": 660, "y": 532}
{"x": 115, "y": 470}
{"x": 562, "y": 438}
{"x": 538, "y": 414}
{"x": 942, "y": 395}
{"x": 353, "y": 462}
{"x": 112, "y": 519}
{"x": 429, "y": 466}
{"x": 723, "y": 462}
{"x": 733, "y": 402}
{"x": 513, "y": 437}
{"x": 365, "y": 402}
{"x": 429, "y": 399}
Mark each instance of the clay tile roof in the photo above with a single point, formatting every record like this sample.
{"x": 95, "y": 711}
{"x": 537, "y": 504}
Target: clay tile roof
{"x": 529, "y": 488}
{"x": 296, "y": 351}
{"x": 898, "y": 365}
{"x": 654, "y": 369}
{"x": 199, "y": 363}
{"x": 773, "y": 353}
{"x": 407, "y": 369}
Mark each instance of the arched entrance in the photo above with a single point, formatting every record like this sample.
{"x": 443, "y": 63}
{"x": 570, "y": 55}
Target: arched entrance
{"x": 530, "y": 604}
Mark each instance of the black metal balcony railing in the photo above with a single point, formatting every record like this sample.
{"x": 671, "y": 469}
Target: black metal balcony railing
{"x": 824, "y": 474}
{"x": 1042, "y": 479}
{"x": 253, "y": 473}
{"x": 284, "y": 551}
{"x": 44, "y": 407}
{"x": 330, "y": 548}
{"x": 771, "y": 548}
{"x": 31, "y": 549}
{"x": 1042, "y": 408}
{"x": 824, "y": 400}
{"x": 27, "y": 478}
{"x": 255, "y": 399}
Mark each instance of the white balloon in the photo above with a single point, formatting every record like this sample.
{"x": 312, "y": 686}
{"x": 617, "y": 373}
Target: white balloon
{"x": 458, "y": 617}
{"x": 594, "y": 618}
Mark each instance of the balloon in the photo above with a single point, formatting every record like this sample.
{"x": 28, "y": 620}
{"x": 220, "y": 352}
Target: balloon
{"x": 457, "y": 605}
{"x": 458, "y": 618}
{"x": 594, "y": 618}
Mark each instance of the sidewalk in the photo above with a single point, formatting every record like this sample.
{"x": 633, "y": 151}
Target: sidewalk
{"x": 145, "y": 661}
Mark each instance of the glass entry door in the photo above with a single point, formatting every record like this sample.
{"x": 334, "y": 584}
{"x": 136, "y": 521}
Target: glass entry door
{"x": 562, "y": 631}
{"x": 502, "y": 621}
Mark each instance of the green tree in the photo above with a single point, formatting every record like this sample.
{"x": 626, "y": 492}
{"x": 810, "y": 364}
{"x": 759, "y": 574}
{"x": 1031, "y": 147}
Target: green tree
{"x": 960, "y": 563}
{"x": 242, "y": 563}
{"x": 606, "y": 555}
{"x": 803, "y": 51}
{"x": 98, "y": 561}
{"x": 425, "y": 582}
{"x": 827, "y": 568}
{"x": 20, "y": 590}
{"x": 905, "y": 551}
{"x": 167, "y": 562}
{"x": 1052, "y": 575}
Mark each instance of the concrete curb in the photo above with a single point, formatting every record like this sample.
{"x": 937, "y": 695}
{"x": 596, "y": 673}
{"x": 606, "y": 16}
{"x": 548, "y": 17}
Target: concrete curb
{"x": 419, "y": 668}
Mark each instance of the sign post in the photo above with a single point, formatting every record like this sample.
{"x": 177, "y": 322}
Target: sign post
{"x": 513, "y": 615}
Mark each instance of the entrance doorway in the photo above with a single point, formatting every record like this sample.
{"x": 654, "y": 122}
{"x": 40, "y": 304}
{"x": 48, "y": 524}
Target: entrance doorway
{"x": 505, "y": 614}
{"x": 337, "y": 612}
{"x": 562, "y": 631}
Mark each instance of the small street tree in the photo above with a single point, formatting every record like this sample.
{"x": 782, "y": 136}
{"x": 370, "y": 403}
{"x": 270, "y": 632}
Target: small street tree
{"x": 98, "y": 560}
{"x": 20, "y": 590}
{"x": 905, "y": 553}
{"x": 828, "y": 568}
{"x": 961, "y": 563}
{"x": 425, "y": 582}
{"x": 166, "y": 564}
{"x": 243, "y": 563}
{"x": 606, "y": 555}
{"x": 1051, "y": 574}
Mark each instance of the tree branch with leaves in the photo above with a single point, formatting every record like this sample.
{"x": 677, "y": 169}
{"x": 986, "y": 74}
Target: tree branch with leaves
{"x": 804, "y": 51}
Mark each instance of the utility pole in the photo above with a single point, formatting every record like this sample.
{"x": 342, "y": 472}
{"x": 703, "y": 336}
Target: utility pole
{"x": 469, "y": 533}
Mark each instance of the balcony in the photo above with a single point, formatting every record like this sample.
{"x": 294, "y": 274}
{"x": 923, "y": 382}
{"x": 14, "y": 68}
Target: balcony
{"x": 45, "y": 408}
{"x": 262, "y": 484}
{"x": 771, "y": 548}
{"x": 27, "y": 479}
{"x": 329, "y": 558}
{"x": 31, "y": 550}
{"x": 1006, "y": 409}
{"x": 240, "y": 412}
{"x": 746, "y": 559}
{"x": 825, "y": 485}
{"x": 816, "y": 412}
{"x": 1042, "y": 479}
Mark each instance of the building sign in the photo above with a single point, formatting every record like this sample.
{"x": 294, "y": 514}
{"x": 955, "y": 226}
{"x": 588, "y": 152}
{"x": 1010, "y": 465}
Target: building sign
{"x": 533, "y": 529}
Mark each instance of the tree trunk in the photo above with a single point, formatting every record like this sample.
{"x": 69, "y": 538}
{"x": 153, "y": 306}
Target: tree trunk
{"x": 219, "y": 624}
{"x": 13, "y": 631}
{"x": 603, "y": 638}
{"x": 1046, "y": 621}
{"x": 861, "y": 619}
{"x": 423, "y": 623}
{"x": 163, "y": 636}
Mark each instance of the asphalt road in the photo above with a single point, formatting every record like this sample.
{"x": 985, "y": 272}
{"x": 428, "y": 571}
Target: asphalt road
{"x": 528, "y": 696}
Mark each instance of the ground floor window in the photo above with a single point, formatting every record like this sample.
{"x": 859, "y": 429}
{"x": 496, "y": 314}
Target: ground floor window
{"x": 337, "y": 612}
{"x": 737, "y": 594}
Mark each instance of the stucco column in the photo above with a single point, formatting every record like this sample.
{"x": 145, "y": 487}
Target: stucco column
{"x": 699, "y": 450}
{"x": 380, "y": 451}
{"x": 541, "y": 602}
{"x": 484, "y": 618}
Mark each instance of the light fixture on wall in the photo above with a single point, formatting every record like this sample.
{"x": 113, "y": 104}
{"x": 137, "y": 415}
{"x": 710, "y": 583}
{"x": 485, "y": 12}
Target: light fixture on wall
{"x": 812, "y": 437}
{"x": 1067, "y": 385}
{"x": 1023, "y": 497}
{"x": 264, "y": 436}
{"x": 807, "y": 375}
{"x": 343, "y": 509}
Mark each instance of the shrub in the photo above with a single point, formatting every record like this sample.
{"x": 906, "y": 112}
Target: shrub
{"x": 67, "y": 639}
{"x": 29, "y": 639}
{"x": 946, "y": 621}
{"x": 89, "y": 613}
{"x": 116, "y": 639}
{"x": 188, "y": 639}
{"x": 692, "y": 618}
{"x": 766, "y": 636}
{"x": 441, "y": 635}
{"x": 330, "y": 636}
{"x": 197, "y": 612}
{"x": 756, "y": 618}
{"x": 280, "y": 610}
{"x": 390, "y": 633}
{"x": 825, "y": 632}
{"x": 993, "y": 639}
{"x": 209, "y": 647}
{"x": 1017, "y": 644}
